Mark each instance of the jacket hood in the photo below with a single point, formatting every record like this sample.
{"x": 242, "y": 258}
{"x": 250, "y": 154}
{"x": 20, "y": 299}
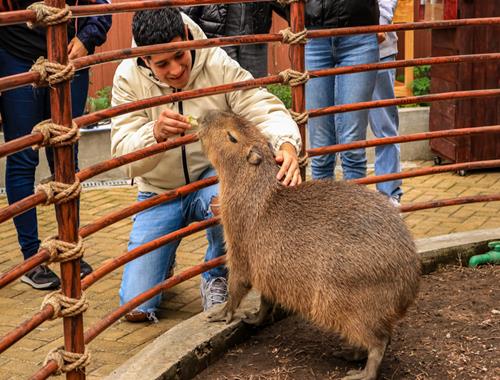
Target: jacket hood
{"x": 200, "y": 57}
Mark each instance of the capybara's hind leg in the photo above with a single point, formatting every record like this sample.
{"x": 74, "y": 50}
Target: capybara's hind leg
{"x": 375, "y": 356}
{"x": 237, "y": 289}
{"x": 258, "y": 317}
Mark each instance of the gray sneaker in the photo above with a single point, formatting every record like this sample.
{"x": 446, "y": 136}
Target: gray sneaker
{"x": 213, "y": 292}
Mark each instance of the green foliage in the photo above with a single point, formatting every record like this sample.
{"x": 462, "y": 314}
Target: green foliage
{"x": 421, "y": 85}
{"x": 101, "y": 101}
{"x": 284, "y": 93}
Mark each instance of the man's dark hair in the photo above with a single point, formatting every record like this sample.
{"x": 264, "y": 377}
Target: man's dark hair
{"x": 157, "y": 26}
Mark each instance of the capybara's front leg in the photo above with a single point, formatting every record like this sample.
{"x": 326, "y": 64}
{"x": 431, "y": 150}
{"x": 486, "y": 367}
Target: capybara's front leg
{"x": 258, "y": 317}
{"x": 237, "y": 290}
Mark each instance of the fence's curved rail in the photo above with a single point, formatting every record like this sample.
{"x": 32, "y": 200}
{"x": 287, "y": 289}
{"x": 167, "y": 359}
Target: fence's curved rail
{"x": 75, "y": 339}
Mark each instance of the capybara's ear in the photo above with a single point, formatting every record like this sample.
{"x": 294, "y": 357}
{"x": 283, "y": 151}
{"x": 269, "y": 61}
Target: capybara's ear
{"x": 254, "y": 156}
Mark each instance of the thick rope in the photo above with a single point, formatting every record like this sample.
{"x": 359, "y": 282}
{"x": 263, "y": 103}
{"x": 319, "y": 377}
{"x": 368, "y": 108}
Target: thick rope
{"x": 58, "y": 192}
{"x": 47, "y": 15}
{"x": 303, "y": 160}
{"x": 67, "y": 361}
{"x": 62, "y": 251}
{"x": 65, "y": 306}
{"x": 52, "y": 72}
{"x": 299, "y": 118}
{"x": 292, "y": 38}
{"x": 286, "y": 2}
{"x": 56, "y": 134}
{"x": 293, "y": 78}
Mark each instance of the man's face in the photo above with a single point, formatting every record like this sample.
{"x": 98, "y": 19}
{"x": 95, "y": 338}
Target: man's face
{"x": 173, "y": 68}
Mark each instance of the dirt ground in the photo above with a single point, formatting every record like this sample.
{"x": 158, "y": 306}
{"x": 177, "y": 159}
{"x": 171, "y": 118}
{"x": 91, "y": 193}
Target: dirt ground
{"x": 452, "y": 332}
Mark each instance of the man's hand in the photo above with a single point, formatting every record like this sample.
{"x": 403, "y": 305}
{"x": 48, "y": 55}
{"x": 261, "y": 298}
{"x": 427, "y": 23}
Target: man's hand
{"x": 76, "y": 49}
{"x": 289, "y": 173}
{"x": 170, "y": 123}
{"x": 381, "y": 37}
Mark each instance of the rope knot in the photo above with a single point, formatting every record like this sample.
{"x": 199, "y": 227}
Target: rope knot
{"x": 52, "y": 73}
{"x": 65, "y": 306}
{"x": 291, "y": 38}
{"x": 303, "y": 160}
{"x": 58, "y": 192}
{"x": 56, "y": 134}
{"x": 299, "y": 118}
{"x": 68, "y": 361}
{"x": 46, "y": 15}
{"x": 62, "y": 251}
{"x": 286, "y": 2}
{"x": 294, "y": 78}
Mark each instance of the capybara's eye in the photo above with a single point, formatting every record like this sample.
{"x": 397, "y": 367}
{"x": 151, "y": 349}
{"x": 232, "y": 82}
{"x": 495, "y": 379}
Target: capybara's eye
{"x": 231, "y": 138}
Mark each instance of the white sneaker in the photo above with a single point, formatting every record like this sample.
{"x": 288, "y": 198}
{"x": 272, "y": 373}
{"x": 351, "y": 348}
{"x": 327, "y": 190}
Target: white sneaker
{"x": 213, "y": 292}
{"x": 395, "y": 201}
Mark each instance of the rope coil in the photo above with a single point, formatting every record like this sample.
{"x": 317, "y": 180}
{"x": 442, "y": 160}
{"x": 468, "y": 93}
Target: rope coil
{"x": 299, "y": 118}
{"x": 62, "y": 251}
{"x": 46, "y": 15}
{"x": 304, "y": 160}
{"x": 58, "y": 192}
{"x": 292, "y": 38}
{"x": 68, "y": 361}
{"x": 52, "y": 73}
{"x": 294, "y": 78}
{"x": 56, "y": 134}
{"x": 286, "y": 2}
{"x": 65, "y": 306}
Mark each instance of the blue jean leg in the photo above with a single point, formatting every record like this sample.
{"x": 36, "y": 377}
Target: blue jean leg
{"x": 319, "y": 94}
{"x": 344, "y": 89}
{"x": 22, "y": 108}
{"x": 384, "y": 122}
{"x": 150, "y": 269}
{"x": 196, "y": 208}
{"x": 354, "y": 88}
{"x": 147, "y": 271}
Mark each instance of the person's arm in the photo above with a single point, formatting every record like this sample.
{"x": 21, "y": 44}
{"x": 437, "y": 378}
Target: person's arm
{"x": 270, "y": 115}
{"x": 91, "y": 32}
{"x": 387, "y": 9}
{"x": 133, "y": 130}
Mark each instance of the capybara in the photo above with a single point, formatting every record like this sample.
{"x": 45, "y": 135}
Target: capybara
{"x": 334, "y": 252}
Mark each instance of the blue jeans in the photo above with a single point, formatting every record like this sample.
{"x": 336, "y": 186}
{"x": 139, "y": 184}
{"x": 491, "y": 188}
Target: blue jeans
{"x": 385, "y": 123}
{"x": 147, "y": 271}
{"x": 322, "y": 92}
{"x": 21, "y": 109}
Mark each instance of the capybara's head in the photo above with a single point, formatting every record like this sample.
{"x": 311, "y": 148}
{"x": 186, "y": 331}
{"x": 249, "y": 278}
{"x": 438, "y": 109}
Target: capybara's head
{"x": 232, "y": 142}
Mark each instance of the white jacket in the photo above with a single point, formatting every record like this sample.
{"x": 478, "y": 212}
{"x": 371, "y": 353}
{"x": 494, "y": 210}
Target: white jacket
{"x": 211, "y": 67}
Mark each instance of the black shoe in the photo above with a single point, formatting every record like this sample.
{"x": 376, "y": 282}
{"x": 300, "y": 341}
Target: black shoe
{"x": 41, "y": 277}
{"x": 85, "y": 269}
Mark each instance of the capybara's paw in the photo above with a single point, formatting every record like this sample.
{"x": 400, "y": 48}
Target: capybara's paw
{"x": 356, "y": 374}
{"x": 222, "y": 315}
{"x": 254, "y": 318}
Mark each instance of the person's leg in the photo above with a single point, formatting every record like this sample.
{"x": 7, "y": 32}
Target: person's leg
{"x": 21, "y": 109}
{"x": 197, "y": 207}
{"x": 319, "y": 94}
{"x": 150, "y": 269}
{"x": 254, "y": 59}
{"x": 384, "y": 122}
{"x": 354, "y": 88}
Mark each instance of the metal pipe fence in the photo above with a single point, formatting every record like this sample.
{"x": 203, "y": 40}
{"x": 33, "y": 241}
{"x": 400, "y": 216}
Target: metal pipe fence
{"x": 67, "y": 212}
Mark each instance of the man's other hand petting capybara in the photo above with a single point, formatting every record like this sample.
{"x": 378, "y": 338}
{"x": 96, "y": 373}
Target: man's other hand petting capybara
{"x": 336, "y": 253}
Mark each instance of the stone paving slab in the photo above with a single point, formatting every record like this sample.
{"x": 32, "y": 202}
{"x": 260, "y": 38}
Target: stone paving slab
{"x": 121, "y": 341}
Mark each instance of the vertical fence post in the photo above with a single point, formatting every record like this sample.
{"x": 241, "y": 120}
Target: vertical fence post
{"x": 64, "y": 165}
{"x": 297, "y": 58}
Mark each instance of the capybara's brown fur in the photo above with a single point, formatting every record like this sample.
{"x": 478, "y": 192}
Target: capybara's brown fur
{"x": 334, "y": 252}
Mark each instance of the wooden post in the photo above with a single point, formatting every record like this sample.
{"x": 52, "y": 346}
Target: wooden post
{"x": 405, "y": 13}
{"x": 297, "y": 55}
{"x": 64, "y": 166}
